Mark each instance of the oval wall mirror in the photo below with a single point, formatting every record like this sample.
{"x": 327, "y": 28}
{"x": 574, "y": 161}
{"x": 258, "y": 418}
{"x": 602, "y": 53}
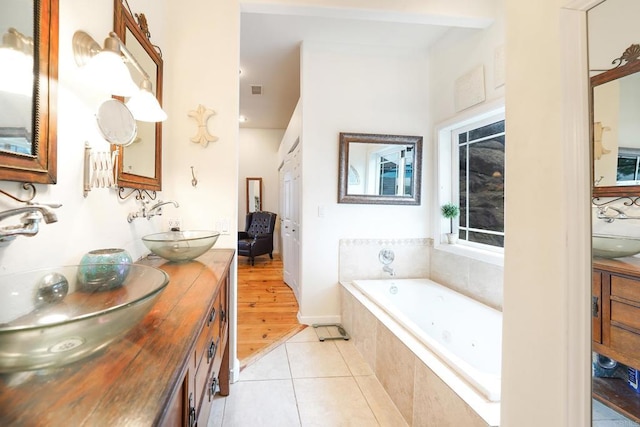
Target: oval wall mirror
{"x": 116, "y": 123}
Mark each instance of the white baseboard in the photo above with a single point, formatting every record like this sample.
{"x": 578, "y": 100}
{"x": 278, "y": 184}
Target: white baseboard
{"x": 311, "y": 320}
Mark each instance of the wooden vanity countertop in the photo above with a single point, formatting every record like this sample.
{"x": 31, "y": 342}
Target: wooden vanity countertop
{"x": 628, "y": 265}
{"x": 132, "y": 380}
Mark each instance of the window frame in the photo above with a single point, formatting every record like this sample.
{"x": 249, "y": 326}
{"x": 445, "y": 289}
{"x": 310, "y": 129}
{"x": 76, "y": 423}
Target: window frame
{"x": 447, "y": 180}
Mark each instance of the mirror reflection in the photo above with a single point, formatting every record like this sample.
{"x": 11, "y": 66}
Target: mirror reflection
{"x": 616, "y": 132}
{"x": 29, "y": 29}
{"x": 139, "y": 157}
{"x": 16, "y": 76}
{"x": 379, "y": 169}
{"x": 254, "y": 195}
{"x": 140, "y": 163}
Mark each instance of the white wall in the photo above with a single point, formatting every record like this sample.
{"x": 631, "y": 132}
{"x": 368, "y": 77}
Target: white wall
{"x": 363, "y": 89}
{"x": 457, "y": 53}
{"x": 258, "y": 154}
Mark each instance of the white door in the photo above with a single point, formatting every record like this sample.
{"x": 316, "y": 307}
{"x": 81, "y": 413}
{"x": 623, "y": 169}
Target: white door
{"x": 290, "y": 221}
{"x": 285, "y": 224}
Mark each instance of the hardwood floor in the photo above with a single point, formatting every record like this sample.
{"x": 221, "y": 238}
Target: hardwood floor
{"x": 267, "y": 307}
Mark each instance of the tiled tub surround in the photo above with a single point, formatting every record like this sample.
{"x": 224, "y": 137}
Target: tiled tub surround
{"x": 479, "y": 280}
{"x": 359, "y": 258}
{"x": 415, "y": 258}
{"x": 423, "y": 387}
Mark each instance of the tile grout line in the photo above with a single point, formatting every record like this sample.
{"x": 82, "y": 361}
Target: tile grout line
{"x": 293, "y": 386}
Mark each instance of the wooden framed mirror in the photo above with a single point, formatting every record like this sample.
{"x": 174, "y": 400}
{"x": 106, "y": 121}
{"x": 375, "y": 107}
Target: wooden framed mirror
{"x": 254, "y": 195}
{"x": 140, "y": 163}
{"x": 28, "y": 120}
{"x": 615, "y": 132}
{"x": 379, "y": 169}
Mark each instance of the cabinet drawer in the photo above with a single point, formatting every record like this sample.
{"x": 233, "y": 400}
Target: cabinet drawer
{"x": 203, "y": 374}
{"x": 625, "y": 314}
{"x": 626, "y": 288}
{"x": 626, "y": 343}
{"x": 211, "y": 330}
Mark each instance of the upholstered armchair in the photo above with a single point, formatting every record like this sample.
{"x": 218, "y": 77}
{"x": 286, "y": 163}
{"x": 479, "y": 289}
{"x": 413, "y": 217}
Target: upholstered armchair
{"x": 258, "y": 237}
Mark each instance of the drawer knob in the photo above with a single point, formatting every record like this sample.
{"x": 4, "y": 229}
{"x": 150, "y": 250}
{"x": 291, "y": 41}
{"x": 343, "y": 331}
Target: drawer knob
{"x": 192, "y": 411}
{"x": 211, "y": 351}
{"x": 212, "y": 316}
{"x": 212, "y": 387}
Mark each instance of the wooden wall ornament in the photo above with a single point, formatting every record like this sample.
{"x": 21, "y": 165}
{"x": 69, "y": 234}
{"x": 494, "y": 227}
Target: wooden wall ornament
{"x": 202, "y": 114}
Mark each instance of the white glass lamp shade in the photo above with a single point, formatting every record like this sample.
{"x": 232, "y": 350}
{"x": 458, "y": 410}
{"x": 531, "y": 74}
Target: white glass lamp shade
{"x": 111, "y": 73}
{"x": 16, "y": 73}
{"x": 16, "y": 57}
{"x": 145, "y": 106}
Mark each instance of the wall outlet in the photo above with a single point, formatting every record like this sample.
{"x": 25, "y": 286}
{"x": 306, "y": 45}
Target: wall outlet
{"x": 175, "y": 223}
{"x": 222, "y": 225}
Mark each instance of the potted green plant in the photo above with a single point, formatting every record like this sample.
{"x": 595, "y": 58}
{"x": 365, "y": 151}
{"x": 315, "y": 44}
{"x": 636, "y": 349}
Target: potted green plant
{"x": 450, "y": 211}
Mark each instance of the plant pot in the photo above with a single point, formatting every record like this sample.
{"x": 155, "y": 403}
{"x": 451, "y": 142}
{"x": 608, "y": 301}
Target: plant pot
{"x": 452, "y": 238}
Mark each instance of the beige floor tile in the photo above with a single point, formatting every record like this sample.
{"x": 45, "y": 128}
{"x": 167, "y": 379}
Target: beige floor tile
{"x": 380, "y": 403}
{"x": 308, "y": 334}
{"x": 261, "y": 403}
{"x": 271, "y": 366}
{"x": 356, "y": 363}
{"x": 217, "y": 411}
{"x": 316, "y": 359}
{"x": 332, "y": 402}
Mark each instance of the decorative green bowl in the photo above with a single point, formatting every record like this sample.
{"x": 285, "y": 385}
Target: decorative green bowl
{"x": 103, "y": 269}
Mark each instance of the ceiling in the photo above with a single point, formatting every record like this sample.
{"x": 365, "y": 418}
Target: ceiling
{"x": 270, "y": 56}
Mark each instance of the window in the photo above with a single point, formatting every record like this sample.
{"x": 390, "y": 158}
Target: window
{"x": 479, "y": 148}
{"x": 628, "y": 172}
{"x": 395, "y": 169}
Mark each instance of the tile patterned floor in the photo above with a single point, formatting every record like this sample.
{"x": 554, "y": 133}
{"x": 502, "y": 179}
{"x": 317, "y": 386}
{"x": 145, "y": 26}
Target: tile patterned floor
{"x": 305, "y": 382}
{"x": 603, "y": 416}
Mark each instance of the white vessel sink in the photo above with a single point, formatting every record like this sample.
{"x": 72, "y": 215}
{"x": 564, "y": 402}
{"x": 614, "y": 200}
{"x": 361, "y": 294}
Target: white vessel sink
{"x": 606, "y": 246}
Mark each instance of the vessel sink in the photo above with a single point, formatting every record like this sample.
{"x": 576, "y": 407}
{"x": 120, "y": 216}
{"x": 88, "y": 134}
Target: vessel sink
{"x": 180, "y": 246}
{"x": 606, "y": 246}
{"x": 50, "y": 318}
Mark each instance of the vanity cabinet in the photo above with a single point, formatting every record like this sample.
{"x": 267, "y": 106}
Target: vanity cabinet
{"x": 164, "y": 372}
{"x": 616, "y": 328}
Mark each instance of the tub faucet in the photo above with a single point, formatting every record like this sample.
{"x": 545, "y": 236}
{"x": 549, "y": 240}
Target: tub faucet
{"x": 389, "y": 270}
{"x": 32, "y": 214}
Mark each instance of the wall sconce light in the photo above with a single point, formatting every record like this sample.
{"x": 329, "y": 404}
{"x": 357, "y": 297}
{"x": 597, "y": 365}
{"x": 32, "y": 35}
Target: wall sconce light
{"x": 107, "y": 66}
{"x": 16, "y": 55}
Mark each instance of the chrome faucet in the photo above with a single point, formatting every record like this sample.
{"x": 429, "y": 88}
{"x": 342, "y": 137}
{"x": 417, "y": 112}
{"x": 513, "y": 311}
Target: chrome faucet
{"x": 149, "y": 213}
{"x": 32, "y": 214}
{"x": 619, "y": 214}
{"x": 157, "y": 208}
